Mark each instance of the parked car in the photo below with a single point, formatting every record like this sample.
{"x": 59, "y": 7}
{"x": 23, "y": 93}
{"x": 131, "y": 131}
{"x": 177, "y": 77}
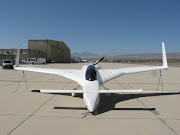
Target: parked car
{"x": 52, "y": 61}
{"x": 34, "y": 61}
{"x": 7, "y": 64}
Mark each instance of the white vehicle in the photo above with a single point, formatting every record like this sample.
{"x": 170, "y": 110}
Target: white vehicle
{"x": 7, "y": 64}
{"x": 34, "y": 61}
{"x": 84, "y": 60}
{"x": 91, "y": 77}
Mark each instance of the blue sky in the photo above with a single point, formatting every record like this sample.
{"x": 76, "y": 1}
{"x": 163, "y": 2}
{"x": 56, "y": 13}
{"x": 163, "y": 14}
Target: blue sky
{"x": 99, "y": 26}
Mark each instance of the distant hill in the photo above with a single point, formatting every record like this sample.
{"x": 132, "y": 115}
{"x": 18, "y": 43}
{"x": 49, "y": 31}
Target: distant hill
{"x": 84, "y": 55}
{"x": 141, "y": 56}
{"x": 174, "y": 55}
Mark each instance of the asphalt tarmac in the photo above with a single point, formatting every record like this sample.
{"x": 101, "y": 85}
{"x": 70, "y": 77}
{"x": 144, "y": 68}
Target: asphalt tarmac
{"x": 23, "y": 112}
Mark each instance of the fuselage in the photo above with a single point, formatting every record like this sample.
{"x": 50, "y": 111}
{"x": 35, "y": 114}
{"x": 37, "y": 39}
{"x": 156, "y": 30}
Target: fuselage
{"x": 91, "y": 86}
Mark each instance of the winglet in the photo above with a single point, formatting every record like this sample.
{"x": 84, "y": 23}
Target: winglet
{"x": 17, "y": 57}
{"x": 165, "y": 65}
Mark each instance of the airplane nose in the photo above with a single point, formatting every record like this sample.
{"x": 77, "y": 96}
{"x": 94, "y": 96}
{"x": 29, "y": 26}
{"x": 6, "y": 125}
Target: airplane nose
{"x": 91, "y": 108}
{"x": 91, "y": 100}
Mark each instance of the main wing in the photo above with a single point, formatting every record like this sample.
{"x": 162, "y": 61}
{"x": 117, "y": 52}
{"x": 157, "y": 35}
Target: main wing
{"x": 73, "y": 74}
{"x": 109, "y": 74}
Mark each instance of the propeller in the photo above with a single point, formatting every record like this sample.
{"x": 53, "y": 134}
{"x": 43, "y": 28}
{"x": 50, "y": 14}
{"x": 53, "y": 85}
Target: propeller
{"x": 96, "y": 62}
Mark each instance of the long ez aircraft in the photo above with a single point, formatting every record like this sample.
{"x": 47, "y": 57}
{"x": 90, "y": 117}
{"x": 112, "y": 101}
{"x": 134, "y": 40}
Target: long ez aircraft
{"x": 91, "y": 77}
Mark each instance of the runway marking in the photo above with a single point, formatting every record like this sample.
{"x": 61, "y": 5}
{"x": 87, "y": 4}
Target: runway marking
{"x": 7, "y": 85}
{"x": 31, "y": 115}
{"x": 34, "y": 111}
{"x": 157, "y": 116}
{"x": 14, "y": 82}
{"x": 81, "y": 117}
{"x": 85, "y": 114}
{"x": 153, "y": 112}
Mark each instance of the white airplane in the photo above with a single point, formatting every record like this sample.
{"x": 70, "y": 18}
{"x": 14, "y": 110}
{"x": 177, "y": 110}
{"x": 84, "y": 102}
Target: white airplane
{"x": 91, "y": 77}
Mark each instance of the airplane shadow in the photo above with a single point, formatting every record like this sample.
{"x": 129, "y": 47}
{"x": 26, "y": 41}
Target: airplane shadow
{"x": 107, "y": 103}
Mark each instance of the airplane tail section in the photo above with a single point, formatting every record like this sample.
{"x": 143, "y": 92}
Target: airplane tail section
{"x": 18, "y": 56}
{"x": 125, "y": 91}
{"x": 82, "y": 91}
{"x": 58, "y": 91}
{"x": 120, "y": 91}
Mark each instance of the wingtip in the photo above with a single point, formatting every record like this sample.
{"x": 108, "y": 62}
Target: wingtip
{"x": 164, "y": 57}
{"x": 18, "y": 55}
{"x": 38, "y": 91}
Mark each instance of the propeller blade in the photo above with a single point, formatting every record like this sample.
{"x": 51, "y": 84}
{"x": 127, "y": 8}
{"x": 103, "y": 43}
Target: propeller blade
{"x": 98, "y": 61}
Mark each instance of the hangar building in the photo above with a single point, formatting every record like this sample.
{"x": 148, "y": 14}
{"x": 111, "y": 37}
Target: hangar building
{"x": 49, "y": 49}
{"x": 55, "y": 50}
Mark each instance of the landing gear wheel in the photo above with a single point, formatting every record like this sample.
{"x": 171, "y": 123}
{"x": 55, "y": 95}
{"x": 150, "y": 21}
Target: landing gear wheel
{"x": 73, "y": 94}
{"x": 108, "y": 94}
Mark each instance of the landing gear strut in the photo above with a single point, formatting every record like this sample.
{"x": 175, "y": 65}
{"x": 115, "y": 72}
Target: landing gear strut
{"x": 74, "y": 94}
